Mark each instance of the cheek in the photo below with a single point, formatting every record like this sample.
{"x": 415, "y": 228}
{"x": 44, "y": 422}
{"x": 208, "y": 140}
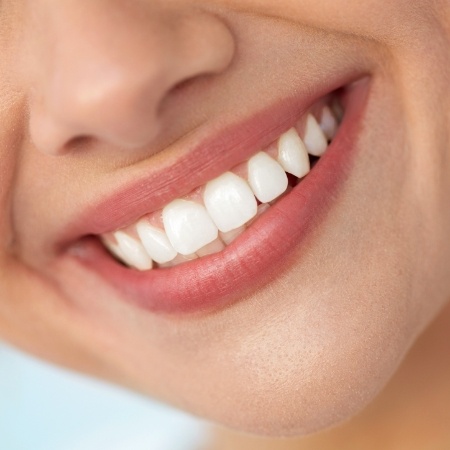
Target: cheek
{"x": 9, "y": 139}
{"x": 382, "y": 20}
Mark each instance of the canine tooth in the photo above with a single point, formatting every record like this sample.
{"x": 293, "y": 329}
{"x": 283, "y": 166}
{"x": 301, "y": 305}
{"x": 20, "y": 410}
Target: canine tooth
{"x": 188, "y": 226}
{"x": 315, "y": 140}
{"x": 133, "y": 253}
{"x": 229, "y": 201}
{"x": 230, "y": 236}
{"x": 213, "y": 247}
{"x": 155, "y": 242}
{"x": 292, "y": 154}
{"x": 266, "y": 177}
{"x": 328, "y": 123}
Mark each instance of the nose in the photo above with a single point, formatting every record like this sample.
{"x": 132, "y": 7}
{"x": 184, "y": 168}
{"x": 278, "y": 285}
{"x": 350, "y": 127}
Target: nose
{"x": 102, "y": 68}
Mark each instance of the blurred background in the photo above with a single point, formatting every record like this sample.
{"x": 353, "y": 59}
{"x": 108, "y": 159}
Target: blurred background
{"x": 43, "y": 407}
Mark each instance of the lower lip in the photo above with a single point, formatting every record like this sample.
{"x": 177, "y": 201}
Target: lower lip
{"x": 257, "y": 256}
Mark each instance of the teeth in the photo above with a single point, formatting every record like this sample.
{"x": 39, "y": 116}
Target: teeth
{"x": 213, "y": 247}
{"x": 266, "y": 177}
{"x": 155, "y": 242}
{"x": 179, "y": 259}
{"x": 328, "y": 123}
{"x": 190, "y": 230}
{"x": 292, "y": 154}
{"x": 229, "y": 201}
{"x": 262, "y": 208}
{"x": 132, "y": 252}
{"x": 188, "y": 226}
{"x": 113, "y": 248}
{"x": 315, "y": 140}
{"x": 230, "y": 236}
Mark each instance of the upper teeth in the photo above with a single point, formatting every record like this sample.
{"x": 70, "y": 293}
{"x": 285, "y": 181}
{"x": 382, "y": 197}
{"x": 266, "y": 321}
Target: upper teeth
{"x": 155, "y": 242}
{"x": 315, "y": 140}
{"x": 188, "y": 225}
{"x": 197, "y": 226}
{"x": 293, "y": 160}
{"x": 230, "y": 201}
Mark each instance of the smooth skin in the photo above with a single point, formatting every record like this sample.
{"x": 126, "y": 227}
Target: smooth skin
{"x": 95, "y": 92}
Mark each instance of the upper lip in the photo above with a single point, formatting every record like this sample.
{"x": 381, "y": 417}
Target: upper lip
{"x": 200, "y": 161}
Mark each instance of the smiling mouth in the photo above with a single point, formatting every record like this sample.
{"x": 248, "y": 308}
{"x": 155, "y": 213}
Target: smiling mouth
{"x": 213, "y": 215}
{"x": 243, "y": 225}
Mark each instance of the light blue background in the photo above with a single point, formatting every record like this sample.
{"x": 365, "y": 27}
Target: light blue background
{"x": 46, "y": 408}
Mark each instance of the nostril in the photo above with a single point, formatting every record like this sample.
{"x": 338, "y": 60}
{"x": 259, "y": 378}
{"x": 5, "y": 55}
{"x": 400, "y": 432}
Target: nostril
{"x": 185, "y": 84}
{"x": 78, "y": 142}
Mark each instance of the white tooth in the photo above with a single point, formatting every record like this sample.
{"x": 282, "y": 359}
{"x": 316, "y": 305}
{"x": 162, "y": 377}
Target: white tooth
{"x": 262, "y": 208}
{"x": 266, "y": 177}
{"x": 230, "y": 201}
{"x": 230, "y": 236}
{"x": 133, "y": 253}
{"x": 113, "y": 248}
{"x": 328, "y": 123}
{"x": 179, "y": 259}
{"x": 292, "y": 154}
{"x": 188, "y": 226}
{"x": 155, "y": 242}
{"x": 213, "y": 247}
{"x": 315, "y": 140}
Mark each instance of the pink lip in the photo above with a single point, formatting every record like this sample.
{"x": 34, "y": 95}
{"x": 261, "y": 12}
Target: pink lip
{"x": 199, "y": 163}
{"x": 218, "y": 280}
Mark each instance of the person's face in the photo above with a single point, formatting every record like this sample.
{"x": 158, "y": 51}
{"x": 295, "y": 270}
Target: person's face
{"x": 110, "y": 110}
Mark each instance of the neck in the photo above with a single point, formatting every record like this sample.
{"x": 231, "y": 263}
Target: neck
{"x": 412, "y": 411}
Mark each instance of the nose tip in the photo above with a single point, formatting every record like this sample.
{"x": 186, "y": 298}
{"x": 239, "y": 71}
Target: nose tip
{"x": 114, "y": 106}
{"x": 107, "y": 81}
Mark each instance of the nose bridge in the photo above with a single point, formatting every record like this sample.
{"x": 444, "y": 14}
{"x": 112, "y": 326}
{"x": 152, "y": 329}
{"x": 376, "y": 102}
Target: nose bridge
{"x": 108, "y": 66}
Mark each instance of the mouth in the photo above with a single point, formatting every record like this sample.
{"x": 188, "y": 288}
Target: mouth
{"x": 234, "y": 232}
{"x": 211, "y": 217}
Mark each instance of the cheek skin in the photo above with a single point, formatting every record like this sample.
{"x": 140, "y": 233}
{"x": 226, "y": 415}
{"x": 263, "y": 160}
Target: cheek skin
{"x": 383, "y": 21}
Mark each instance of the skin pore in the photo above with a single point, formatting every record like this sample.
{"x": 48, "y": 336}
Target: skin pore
{"x": 84, "y": 113}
